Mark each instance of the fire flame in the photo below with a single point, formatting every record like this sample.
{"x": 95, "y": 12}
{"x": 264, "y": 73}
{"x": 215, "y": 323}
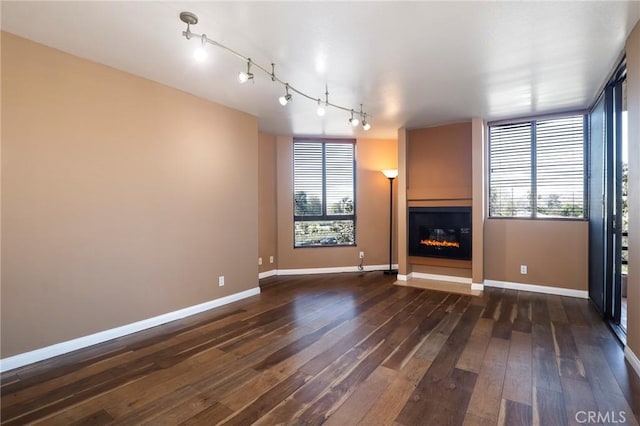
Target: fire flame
{"x": 436, "y": 243}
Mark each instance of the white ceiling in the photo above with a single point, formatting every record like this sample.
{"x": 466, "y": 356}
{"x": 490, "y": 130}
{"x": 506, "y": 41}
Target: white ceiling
{"x": 412, "y": 64}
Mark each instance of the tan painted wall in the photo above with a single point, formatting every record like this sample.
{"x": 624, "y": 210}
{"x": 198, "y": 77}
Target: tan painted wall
{"x": 555, "y": 252}
{"x": 440, "y": 270}
{"x": 439, "y": 173}
{"x": 633, "y": 102}
{"x": 500, "y": 246}
{"x": 439, "y": 163}
{"x": 479, "y": 160}
{"x": 404, "y": 268}
{"x": 122, "y": 199}
{"x": 267, "y": 206}
{"x": 372, "y": 210}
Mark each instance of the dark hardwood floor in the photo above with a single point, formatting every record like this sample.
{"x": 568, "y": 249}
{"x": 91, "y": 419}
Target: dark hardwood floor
{"x": 345, "y": 349}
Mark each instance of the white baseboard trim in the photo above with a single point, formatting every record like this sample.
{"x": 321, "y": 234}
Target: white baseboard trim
{"x": 335, "y": 270}
{"x": 583, "y": 294}
{"x": 436, "y": 277}
{"x": 82, "y": 342}
{"x": 477, "y": 286}
{"x": 404, "y": 277}
{"x": 633, "y": 359}
{"x": 267, "y": 274}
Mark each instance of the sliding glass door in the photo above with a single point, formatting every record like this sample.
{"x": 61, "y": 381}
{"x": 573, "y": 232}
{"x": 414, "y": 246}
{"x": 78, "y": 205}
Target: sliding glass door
{"x": 597, "y": 206}
{"x": 608, "y": 223}
{"x": 621, "y": 226}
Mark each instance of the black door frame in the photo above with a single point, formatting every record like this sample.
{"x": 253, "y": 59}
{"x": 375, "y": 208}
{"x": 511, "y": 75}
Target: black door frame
{"x": 596, "y": 184}
{"x": 605, "y": 261}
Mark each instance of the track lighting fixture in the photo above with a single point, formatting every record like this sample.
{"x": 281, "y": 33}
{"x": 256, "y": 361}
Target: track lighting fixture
{"x": 286, "y": 98}
{"x": 246, "y": 76}
{"x": 365, "y": 123}
{"x": 321, "y": 107}
{"x": 200, "y": 54}
{"x": 353, "y": 121}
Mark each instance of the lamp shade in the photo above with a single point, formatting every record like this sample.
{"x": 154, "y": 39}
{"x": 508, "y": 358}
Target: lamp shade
{"x": 390, "y": 173}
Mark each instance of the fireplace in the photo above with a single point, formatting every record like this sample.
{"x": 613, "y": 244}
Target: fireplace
{"x": 443, "y": 232}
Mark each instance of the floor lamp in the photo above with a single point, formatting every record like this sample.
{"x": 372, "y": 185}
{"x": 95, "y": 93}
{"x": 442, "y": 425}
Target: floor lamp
{"x": 391, "y": 174}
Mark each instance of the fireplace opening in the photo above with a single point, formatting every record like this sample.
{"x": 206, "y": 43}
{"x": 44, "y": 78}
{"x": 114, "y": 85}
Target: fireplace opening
{"x": 443, "y": 232}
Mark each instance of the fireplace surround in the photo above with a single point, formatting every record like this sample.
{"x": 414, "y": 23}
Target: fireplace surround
{"x": 440, "y": 232}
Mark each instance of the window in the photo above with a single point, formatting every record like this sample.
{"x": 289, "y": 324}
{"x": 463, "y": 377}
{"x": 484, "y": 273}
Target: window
{"x": 537, "y": 168}
{"x": 324, "y": 189}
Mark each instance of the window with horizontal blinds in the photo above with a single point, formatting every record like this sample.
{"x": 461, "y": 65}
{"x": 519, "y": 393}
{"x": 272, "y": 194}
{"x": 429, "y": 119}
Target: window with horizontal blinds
{"x": 339, "y": 178}
{"x": 560, "y": 167}
{"x": 510, "y": 178}
{"x": 308, "y": 177}
{"x": 324, "y": 192}
{"x": 537, "y": 168}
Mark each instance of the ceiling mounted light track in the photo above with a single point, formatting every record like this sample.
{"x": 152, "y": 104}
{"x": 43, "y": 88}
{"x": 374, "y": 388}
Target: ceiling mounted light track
{"x": 190, "y": 19}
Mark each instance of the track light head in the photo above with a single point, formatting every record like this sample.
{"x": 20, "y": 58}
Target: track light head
{"x": 200, "y": 54}
{"x": 286, "y": 98}
{"x": 353, "y": 120}
{"x": 365, "y": 124}
{"x": 321, "y": 110}
{"x": 246, "y": 76}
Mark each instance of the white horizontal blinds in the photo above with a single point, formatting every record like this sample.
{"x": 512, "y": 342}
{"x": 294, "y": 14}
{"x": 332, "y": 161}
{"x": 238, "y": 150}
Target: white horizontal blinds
{"x": 307, "y": 178}
{"x": 324, "y": 190}
{"x": 339, "y": 178}
{"x": 560, "y": 167}
{"x": 510, "y": 174}
{"x": 537, "y": 168}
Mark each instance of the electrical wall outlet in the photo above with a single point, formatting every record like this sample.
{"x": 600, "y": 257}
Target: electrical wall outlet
{"x": 361, "y": 255}
{"x": 270, "y": 259}
{"x": 259, "y": 261}
{"x": 523, "y": 269}
{"x": 221, "y": 281}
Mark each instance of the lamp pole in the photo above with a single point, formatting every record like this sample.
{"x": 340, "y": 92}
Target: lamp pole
{"x": 391, "y": 175}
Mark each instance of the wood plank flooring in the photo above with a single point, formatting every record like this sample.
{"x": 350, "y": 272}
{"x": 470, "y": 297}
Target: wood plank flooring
{"x": 344, "y": 349}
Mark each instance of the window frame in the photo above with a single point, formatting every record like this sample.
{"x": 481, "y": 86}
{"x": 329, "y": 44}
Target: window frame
{"x": 325, "y": 217}
{"x": 534, "y": 185}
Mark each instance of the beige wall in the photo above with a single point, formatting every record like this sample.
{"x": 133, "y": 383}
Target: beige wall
{"x": 445, "y": 165}
{"x": 633, "y": 102}
{"x": 479, "y": 161}
{"x": 122, "y": 199}
{"x": 554, "y": 251}
{"x": 267, "y": 206}
{"x": 439, "y": 173}
{"x": 404, "y": 268}
{"x": 439, "y": 163}
{"x": 372, "y": 209}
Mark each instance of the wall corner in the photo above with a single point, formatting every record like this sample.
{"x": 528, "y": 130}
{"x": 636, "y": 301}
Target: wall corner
{"x": 478, "y": 162}
{"x": 401, "y": 208}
